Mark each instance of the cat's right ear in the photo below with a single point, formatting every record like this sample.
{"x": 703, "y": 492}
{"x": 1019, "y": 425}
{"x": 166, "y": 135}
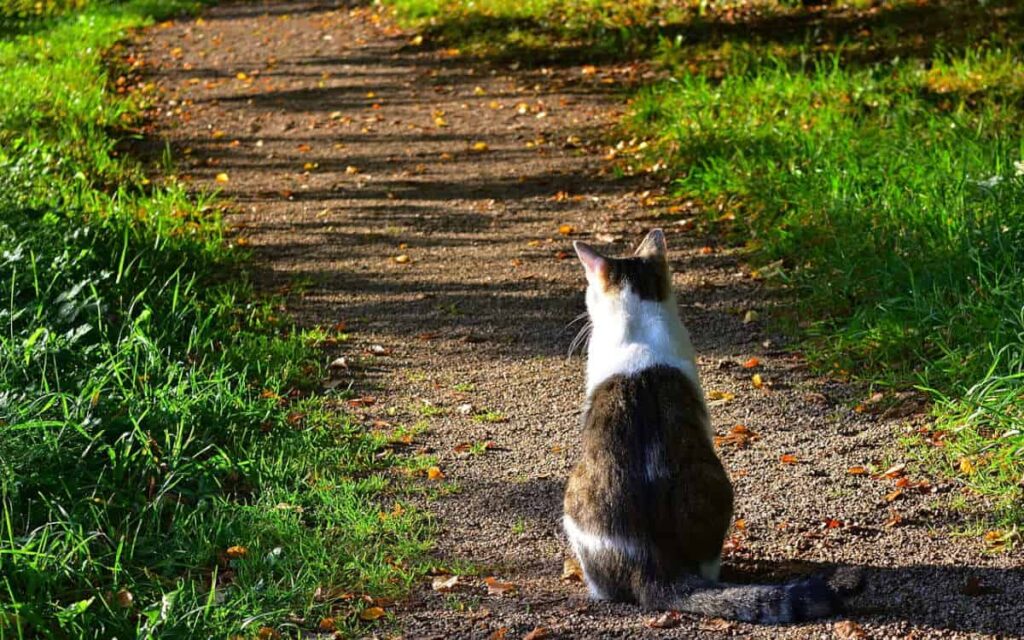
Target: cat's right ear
{"x": 594, "y": 263}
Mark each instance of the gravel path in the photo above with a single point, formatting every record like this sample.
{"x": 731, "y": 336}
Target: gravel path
{"x": 418, "y": 196}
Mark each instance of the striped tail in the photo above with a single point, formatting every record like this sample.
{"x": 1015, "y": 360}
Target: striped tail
{"x": 805, "y": 599}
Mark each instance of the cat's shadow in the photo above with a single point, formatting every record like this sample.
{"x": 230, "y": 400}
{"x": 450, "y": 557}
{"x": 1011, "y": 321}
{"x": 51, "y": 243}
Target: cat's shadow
{"x": 964, "y": 598}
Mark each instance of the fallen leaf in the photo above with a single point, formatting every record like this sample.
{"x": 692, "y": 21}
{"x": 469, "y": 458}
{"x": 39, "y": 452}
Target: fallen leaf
{"x": 739, "y": 436}
{"x": 715, "y": 624}
{"x": 857, "y": 470}
{"x": 889, "y": 497}
{"x": 371, "y": 613}
{"x": 894, "y": 519}
{"x": 222, "y": 177}
{"x": 720, "y": 396}
{"x": 571, "y": 570}
{"x": 402, "y": 259}
{"x": 757, "y": 381}
{"x": 848, "y": 630}
{"x": 124, "y": 599}
{"x": 444, "y": 584}
{"x": 894, "y": 471}
{"x": 496, "y": 587}
{"x": 788, "y": 458}
{"x": 237, "y": 551}
{"x": 537, "y": 634}
{"x": 480, "y": 147}
{"x": 667, "y": 620}
{"x": 435, "y": 473}
{"x": 351, "y": 170}
{"x": 750, "y": 316}
{"x": 832, "y": 523}
{"x": 967, "y": 466}
{"x": 750, "y": 364}
{"x": 326, "y": 624}
{"x": 566, "y": 229}
{"x": 267, "y": 633}
{"x": 706, "y": 251}
{"x": 499, "y": 634}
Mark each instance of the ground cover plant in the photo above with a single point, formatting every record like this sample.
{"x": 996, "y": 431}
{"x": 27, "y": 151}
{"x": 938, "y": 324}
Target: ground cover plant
{"x": 870, "y": 155}
{"x": 168, "y": 465}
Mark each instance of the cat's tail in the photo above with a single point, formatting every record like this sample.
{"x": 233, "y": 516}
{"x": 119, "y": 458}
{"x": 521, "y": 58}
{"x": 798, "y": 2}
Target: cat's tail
{"x": 805, "y": 599}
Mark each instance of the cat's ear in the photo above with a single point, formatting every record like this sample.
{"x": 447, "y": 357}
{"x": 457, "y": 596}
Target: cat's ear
{"x": 595, "y": 264}
{"x": 653, "y": 245}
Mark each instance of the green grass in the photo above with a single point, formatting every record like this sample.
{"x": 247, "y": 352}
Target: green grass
{"x": 891, "y": 194}
{"x": 168, "y": 466}
{"x": 867, "y": 155}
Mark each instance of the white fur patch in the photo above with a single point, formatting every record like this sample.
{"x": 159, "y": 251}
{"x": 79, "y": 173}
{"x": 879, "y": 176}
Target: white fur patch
{"x": 585, "y": 541}
{"x": 631, "y": 335}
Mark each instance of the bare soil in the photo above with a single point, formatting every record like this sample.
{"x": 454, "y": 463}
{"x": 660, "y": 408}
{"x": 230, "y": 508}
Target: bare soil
{"x": 347, "y": 146}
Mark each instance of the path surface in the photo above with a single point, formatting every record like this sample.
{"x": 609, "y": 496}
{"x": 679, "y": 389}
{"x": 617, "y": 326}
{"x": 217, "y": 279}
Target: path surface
{"x": 333, "y": 145}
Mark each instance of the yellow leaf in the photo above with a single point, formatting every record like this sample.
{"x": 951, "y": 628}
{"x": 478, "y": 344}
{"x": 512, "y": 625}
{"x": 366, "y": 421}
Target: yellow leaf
{"x": 351, "y": 170}
{"x": 371, "y": 613}
{"x": 480, "y": 146}
{"x": 222, "y": 177}
{"x": 566, "y": 229}
{"x": 236, "y": 551}
{"x": 757, "y": 381}
{"x": 402, "y": 259}
{"x": 241, "y": 75}
{"x": 435, "y": 473}
{"x": 966, "y": 466}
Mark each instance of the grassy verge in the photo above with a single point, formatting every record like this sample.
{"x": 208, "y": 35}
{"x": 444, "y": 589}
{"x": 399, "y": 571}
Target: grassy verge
{"x": 871, "y": 153}
{"x": 167, "y": 465}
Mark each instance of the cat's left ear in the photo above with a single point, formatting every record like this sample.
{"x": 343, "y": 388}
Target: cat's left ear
{"x": 653, "y": 246}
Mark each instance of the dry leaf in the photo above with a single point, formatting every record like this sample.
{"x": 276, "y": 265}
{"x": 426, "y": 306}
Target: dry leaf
{"x": 716, "y": 624}
{"x": 435, "y": 473}
{"x": 496, "y": 587}
{"x": 720, "y": 396}
{"x": 566, "y": 229}
{"x": 757, "y": 381}
{"x": 499, "y": 634}
{"x": 326, "y": 624}
{"x": 236, "y": 551}
{"x": 351, "y": 170}
{"x": 967, "y": 466}
{"x": 537, "y": 634}
{"x": 402, "y": 259}
{"x": 124, "y": 599}
{"x": 571, "y": 570}
{"x": 894, "y": 471}
{"x": 706, "y": 251}
{"x": 889, "y": 497}
{"x": 444, "y": 584}
{"x": 739, "y": 436}
{"x": 857, "y": 470}
{"x": 667, "y": 620}
{"x": 894, "y": 519}
{"x": 267, "y": 633}
{"x": 480, "y": 147}
{"x": 750, "y": 364}
{"x": 222, "y": 177}
{"x": 848, "y": 630}
{"x": 371, "y": 613}
{"x": 788, "y": 458}
{"x": 750, "y": 316}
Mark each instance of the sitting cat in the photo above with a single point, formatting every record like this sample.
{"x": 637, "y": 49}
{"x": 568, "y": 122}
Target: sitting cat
{"x": 649, "y": 503}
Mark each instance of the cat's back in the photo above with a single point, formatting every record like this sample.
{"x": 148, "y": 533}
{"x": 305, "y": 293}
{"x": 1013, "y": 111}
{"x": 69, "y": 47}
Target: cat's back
{"x": 648, "y": 467}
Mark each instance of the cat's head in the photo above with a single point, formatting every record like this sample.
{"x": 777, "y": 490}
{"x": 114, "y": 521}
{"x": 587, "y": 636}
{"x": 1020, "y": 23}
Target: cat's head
{"x": 615, "y": 286}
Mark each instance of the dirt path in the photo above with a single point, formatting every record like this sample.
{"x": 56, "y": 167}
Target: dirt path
{"x": 346, "y": 148}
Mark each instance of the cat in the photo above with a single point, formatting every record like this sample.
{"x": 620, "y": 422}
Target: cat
{"x": 649, "y": 504}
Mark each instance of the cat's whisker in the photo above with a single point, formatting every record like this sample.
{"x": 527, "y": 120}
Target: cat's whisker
{"x": 581, "y": 340}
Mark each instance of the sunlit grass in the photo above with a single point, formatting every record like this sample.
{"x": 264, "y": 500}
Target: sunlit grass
{"x": 168, "y": 464}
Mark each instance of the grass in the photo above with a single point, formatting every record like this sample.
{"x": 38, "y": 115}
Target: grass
{"x": 868, "y": 155}
{"x": 156, "y": 477}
